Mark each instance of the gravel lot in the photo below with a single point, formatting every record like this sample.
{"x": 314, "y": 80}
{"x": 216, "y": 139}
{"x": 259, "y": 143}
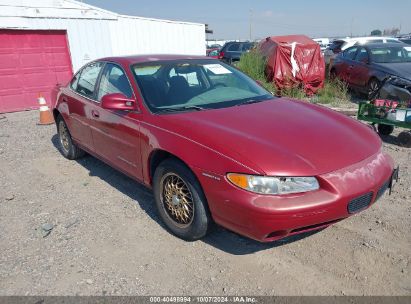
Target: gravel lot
{"x": 107, "y": 238}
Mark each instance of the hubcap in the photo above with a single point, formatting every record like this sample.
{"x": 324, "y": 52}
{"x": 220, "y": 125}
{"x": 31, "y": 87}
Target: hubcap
{"x": 64, "y": 136}
{"x": 177, "y": 199}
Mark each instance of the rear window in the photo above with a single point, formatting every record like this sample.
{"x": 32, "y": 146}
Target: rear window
{"x": 234, "y": 47}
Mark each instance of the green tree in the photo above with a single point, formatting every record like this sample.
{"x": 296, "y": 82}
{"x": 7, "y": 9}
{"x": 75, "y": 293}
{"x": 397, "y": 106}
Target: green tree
{"x": 376, "y": 33}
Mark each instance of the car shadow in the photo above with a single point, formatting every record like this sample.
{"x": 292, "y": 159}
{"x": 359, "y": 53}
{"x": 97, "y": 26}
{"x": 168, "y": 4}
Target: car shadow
{"x": 393, "y": 140}
{"x": 220, "y": 238}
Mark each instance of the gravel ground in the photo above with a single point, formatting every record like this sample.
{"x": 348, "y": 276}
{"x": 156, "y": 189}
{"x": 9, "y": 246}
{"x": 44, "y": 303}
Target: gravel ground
{"x": 106, "y": 238}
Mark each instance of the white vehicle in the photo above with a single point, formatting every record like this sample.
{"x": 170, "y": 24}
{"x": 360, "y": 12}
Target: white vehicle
{"x": 340, "y": 45}
{"x": 323, "y": 42}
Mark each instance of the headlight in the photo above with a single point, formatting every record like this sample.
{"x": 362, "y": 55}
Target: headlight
{"x": 401, "y": 82}
{"x": 273, "y": 185}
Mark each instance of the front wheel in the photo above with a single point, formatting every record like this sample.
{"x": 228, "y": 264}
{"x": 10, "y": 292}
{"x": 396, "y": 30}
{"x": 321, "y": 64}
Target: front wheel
{"x": 385, "y": 129}
{"x": 180, "y": 200}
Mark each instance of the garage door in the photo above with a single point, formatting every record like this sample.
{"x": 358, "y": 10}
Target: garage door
{"x": 31, "y": 62}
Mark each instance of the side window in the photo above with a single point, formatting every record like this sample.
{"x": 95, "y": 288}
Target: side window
{"x": 362, "y": 55}
{"x": 350, "y": 53}
{"x": 88, "y": 78}
{"x": 74, "y": 81}
{"x": 234, "y": 47}
{"x": 246, "y": 47}
{"x": 376, "y": 41}
{"x": 113, "y": 80}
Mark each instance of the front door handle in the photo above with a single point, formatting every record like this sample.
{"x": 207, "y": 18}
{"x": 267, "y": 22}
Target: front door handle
{"x": 95, "y": 113}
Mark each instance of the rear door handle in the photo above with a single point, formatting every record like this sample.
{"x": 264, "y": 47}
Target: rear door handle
{"x": 95, "y": 113}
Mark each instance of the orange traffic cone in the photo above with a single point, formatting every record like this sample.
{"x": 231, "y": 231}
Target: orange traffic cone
{"x": 46, "y": 118}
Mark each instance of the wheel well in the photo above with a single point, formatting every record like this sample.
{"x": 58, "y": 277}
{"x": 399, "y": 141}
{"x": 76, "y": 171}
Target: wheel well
{"x": 373, "y": 78}
{"x": 156, "y": 157}
{"x": 56, "y": 113}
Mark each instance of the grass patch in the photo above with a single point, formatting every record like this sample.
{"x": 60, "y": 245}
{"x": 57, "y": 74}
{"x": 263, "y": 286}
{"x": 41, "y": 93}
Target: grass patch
{"x": 253, "y": 64}
{"x": 334, "y": 93}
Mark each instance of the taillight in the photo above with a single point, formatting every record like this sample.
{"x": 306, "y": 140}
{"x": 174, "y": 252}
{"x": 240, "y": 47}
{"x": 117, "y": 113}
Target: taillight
{"x": 221, "y": 55}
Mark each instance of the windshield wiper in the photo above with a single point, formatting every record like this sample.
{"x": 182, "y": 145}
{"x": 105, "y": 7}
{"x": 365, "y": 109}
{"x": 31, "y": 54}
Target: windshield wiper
{"x": 250, "y": 101}
{"x": 184, "y": 108}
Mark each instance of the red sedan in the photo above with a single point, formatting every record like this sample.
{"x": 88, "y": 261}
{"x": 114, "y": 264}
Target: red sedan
{"x": 216, "y": 147}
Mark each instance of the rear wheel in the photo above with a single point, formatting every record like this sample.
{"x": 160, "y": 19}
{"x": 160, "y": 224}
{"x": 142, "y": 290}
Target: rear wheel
{"x": 333, "y": 74}
{"x": 180, "y": 200}
{"x": 67, "y": 147}
{"x": 385, "y": 129}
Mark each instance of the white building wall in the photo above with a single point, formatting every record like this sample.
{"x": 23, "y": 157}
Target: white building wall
{"x": 87, "y": 38}
{"x": 133, "y": 35}
{"x": 94, "y": 33}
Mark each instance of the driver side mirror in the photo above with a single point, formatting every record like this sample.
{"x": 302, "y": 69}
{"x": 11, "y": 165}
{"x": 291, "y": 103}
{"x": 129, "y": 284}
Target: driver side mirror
{"x": 118, "y": 102}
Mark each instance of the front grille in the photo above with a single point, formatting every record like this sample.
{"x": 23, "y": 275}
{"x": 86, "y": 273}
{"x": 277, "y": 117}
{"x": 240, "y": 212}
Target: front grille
{"x": 382, "y": 189}
{"x": 359, "y": 203}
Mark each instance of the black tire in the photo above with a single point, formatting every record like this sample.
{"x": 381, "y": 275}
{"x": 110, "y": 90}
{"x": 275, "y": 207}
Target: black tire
{"x": 373, "y": 85}
{"x": 333, "y": 74}
{"x": 405, "y": 138}
{"x": 385, "y": 129}
{"x": 197, "y": 223}
{"x": 66, "y": 145}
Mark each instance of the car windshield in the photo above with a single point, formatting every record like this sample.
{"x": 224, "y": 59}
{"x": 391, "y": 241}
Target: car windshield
{"x": 189, "y": 85}
{"x": 391, "y": 54}
{"x": 336, "y": 44}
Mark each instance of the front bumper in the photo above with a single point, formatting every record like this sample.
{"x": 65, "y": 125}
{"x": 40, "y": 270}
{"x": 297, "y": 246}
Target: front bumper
{"x": 267, "y": 217}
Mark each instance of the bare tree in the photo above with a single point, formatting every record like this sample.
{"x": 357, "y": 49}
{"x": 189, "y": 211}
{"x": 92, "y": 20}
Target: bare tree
{"x": 391, "y": 32}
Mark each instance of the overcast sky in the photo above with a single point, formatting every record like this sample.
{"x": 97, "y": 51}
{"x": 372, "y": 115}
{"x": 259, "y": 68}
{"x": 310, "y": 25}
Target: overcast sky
{"x": 316, "y": 18}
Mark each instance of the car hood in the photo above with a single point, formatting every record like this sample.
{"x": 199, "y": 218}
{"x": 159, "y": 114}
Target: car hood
{"x": 279, "y": 136}
{"x": 401, "y": 69}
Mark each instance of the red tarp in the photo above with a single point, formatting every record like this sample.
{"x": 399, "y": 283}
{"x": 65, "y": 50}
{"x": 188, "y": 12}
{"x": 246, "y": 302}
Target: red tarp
{"x": 292, "y": 60}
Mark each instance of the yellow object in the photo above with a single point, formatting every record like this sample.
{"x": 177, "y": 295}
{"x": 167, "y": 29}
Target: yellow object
{"x": 239, "y": 180}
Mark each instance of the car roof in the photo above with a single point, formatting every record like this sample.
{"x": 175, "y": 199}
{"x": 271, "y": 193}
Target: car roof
{"x": 371, "y": 38}
{"x": 127, "y": 60}
{"x": 382, "y": 45}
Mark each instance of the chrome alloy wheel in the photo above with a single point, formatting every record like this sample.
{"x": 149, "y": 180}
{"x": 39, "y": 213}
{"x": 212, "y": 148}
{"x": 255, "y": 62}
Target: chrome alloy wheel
{"x": 64, "y": 136}
{"x": 373, "y": 88}
{"x": 177, "y": 199}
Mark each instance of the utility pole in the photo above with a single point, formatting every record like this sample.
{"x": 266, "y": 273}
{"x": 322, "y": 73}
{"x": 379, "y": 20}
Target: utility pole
{"x": 251, "y": 22}
{"x": 352, "y": 21}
